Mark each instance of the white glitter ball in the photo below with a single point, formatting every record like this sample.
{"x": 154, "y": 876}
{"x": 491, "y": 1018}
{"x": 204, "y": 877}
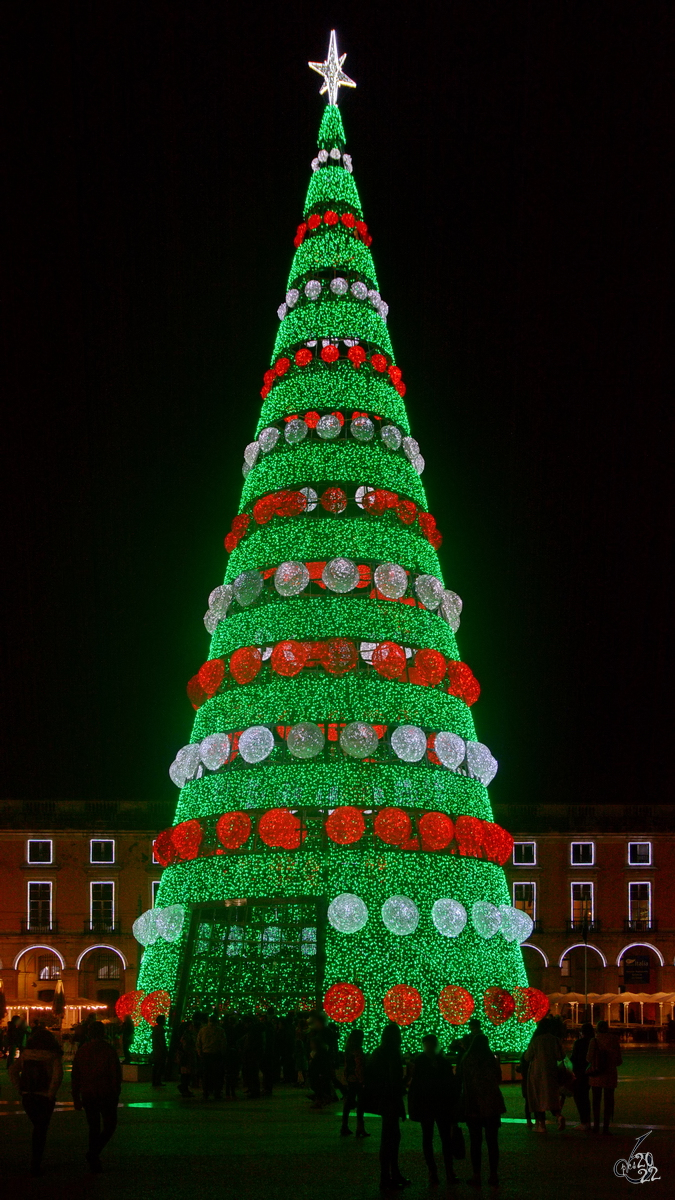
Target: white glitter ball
{"x": 268, "y": 438}
{"x": 251, "y": 453}
{"x": 366, "y": 651}
{"x": 335, "y": 153}
{"x": 292, "y": 297}
{"x": 210, "y": 621}
{"x": 281, "y": 311}
{"x": 391, "y": 580}
{"x": 291, "y": 578}
{"x": 347, "y": 160}
{"x": 145, "y": 928}
{"x": 359, "y": 740}
{"x": 362, "y": 429}
{"x": 177, "y": 774}
{"x": 383, "y": 310}
{"x": 359, "y": 290}
{"x": 188, "y": 759}
{"x": 313, "y": 289}
{"x": 328, "y": 427}
{"x": 170, "y": 921}
{"x": 323, "y": 156}
{"x": 429, "y": 591}
{"x": 480, "y": 762}
{"x": 247, "y": 587}
{"x": 295, "y": 431}
{"x": 311, "y": 497}
{"x": 374, "y": 297}
{"x": 256, "y": 744}
{"x": 214, "y": 750}
{"x": 450, "y": 748}
{"x": 449, "y": 917}
{"x": 305, "y": 740}
{"x": 339, "y": 286}
{"x": 347, "y": 913}
{"x": 409, "y": 743}
{"x": 391, "y": 436}
{"x": 245, "y": 470}
{"x": 450, "y": 609}
{"x": 315, "y": 164}
{"x": 486, "y": 918}
{"x": 411, "y": 448}
{"x": 221, "y": 599}
{"x": 340, "y": 575}
{"x": 516, "y": 924}
{"x": 400, "y": 915}
{"x": 418, "y": 463}
{"x": 360, "y": 493}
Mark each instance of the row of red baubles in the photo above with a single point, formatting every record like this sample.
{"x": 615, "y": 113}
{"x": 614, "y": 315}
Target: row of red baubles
{"x": 287, "y": 503}
{"x": 337, "y": 656}
{"x": 329, "y": 354}
{"x": 281, "y": 829}
{"x": 331, "y": 219}
{"x": 345, "y": 1002}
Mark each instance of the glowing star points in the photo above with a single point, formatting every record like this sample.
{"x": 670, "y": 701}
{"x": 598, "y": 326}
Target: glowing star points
{"x": 333, "y": 75}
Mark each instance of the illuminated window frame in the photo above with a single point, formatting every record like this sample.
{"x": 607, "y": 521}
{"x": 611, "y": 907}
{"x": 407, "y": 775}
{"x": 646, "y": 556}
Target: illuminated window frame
{"x": 575, "y": 863}
{"x": 526, "y": 883}
{"x": 640, "y": 864}
{"x": 98, "y": 883}
{"x": 39, "y": 883}
{"x": 587, "y": 883}
{"x": 98, "y": 862}
{"x": 640, "y": 883}
{"x": 41, "y": 842}
{"x": 154, "y": 888}
{"x": 534, "y": 854}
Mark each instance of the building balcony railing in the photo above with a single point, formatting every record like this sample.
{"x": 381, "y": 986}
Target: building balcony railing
{"x": 640, "y": 926}
{"x": 579, "y": 926}
{"x": 31, "y": 926}
{"x": 98, "y": 926}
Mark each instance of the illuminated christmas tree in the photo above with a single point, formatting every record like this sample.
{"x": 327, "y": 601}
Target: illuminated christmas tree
{"x": 334, "y": 843}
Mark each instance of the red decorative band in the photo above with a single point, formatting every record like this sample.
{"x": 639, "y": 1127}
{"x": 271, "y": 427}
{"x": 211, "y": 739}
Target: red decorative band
{"x": 320, "y": 355}
{"x": 353, "y": 224}
{"x": 345, "y": 1002}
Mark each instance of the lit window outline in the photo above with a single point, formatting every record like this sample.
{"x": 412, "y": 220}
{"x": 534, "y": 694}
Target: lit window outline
{"x": 40, "y": 883}
{"x": 640, "y": 864}
{"x": 96, "y": 862}
{"x": 96, "y": 883}
{"x": 154, "y": 888}
{"x": 41, "y": 841}
{"x": 523, "y": 864}
{"x": 526, "y": 883}
{"x": 582, "y": 864}
{"x": 155, "y": 860}
{"x": 582, "y": 883}
{"x": 640, "y": 883}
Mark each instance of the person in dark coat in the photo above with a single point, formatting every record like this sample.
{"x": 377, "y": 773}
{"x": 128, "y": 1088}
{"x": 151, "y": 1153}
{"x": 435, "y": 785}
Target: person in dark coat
{"x": 604, "y": 1056}
{"x": 433, "y": 1098}
{"x": 483, "y": 1105}
{"x": 386, "y": 1083}
{"x": 159, "y": 1051}
{"x": 355, "y": 1063}
{"x": 37, "y": 1075}
{"x": 96, "y": 1082}
{"x": 582, "y": 1084}
{"x": 128, "y": 1033}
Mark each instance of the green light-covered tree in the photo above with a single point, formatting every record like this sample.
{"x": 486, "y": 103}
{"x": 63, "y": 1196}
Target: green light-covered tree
{"x": 334, "y": 842}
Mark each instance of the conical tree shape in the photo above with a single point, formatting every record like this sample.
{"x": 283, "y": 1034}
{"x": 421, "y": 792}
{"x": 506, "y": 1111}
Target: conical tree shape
{"x": 334, "y": 841}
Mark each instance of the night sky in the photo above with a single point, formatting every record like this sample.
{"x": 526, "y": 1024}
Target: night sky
{"x": 515, "y": 165}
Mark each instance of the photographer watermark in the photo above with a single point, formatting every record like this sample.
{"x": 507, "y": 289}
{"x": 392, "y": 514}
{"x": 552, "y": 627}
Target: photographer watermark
{"x": 639, "y": 1167}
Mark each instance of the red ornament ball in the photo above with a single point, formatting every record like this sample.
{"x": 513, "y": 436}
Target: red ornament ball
{"x": 469, "y": 834}
{"x": 330, "y": 217}
{"x": 334, "y": 500}
{"x": 196, "y": 693}
{"x": 264, "y": 509}
{"x": 400, "y": 388}
{"x": 156, "y": 1004}
{"x": 300, "y": 234}
{"x": 393, "y": 826}
{"x": 281, "y": 366}
{"x": 361, "y": 228}
{"x": 288, "y": 658}
{"x": 339, "y": 656}
{"x": 129, "y": 1005}
{"x": 378, "y": 501}
{"x": 314, "y": 221}
{"x": 389, "y": 660}
{"x": 531, "y": 1004}
{"x": 303, "y": 357}
{"x": 348, "y": 220}
{"x": 406, "y": 511}
{"x": 499, "y": 1005}
{"x": 187, "y": 839}
{"x": 456, "y": 1004}
{"x": 282, "y": 829}
{"x": 163, "y": 848}
{"x": 233, "y": 829}
{"x": 240, "y": 524}
{"x": 356, "y": 355}
{"x": 311, "y": 420}
{"x": 395, "y": 373}
{"x": 436, "y": 831}
{"x": 245, "y": 664}
{"x": 345, "y": 825}
{"x": 344, "y": 1002}
{"x": 403, "y": 1004}
{"x": 378, "y": 362}
{"x": 210, "y": 675}
{"x": 497, "y": 842}
{"x": 430, "y": 666}
{"x": 289, "y": 504}
{"x": 231, "y": 541}
{"x": 330, "y": 353}
{"x": 269, "y": 377}
{"x": 463, "y": 682}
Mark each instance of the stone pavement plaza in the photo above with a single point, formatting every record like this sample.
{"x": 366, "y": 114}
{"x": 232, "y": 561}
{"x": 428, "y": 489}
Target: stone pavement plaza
{"x": 277, "y": 1148}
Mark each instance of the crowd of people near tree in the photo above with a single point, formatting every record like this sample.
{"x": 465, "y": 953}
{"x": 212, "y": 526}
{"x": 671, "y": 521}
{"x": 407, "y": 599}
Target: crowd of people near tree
{"x": 230, "y": 1056}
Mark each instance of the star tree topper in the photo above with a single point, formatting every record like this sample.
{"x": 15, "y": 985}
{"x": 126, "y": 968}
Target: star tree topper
{"x": 333, "y": 75}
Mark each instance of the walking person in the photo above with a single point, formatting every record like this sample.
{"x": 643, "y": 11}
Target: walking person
{"x": 543, "y": 1054}
{"x": 36, "y": 1075}
{"x": 385, "y": 1080}
{"x": 483, "y": 1105}
{"x": 582, "y": 1083}
{"x": 211, "y": 1046}
{"x": 355, "y": 1063}
{"x": 604, "y": 1056}
{"x": 159, "y": 1051}
{"x": 433, "y": 1099}
{"x": 96, "y": 1082}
